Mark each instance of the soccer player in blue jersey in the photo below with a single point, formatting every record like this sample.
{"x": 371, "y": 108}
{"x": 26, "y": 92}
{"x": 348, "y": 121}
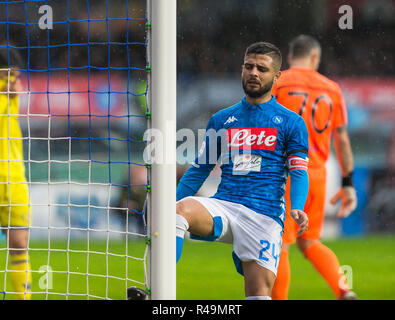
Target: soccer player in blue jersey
{"x": 258, "y": 142}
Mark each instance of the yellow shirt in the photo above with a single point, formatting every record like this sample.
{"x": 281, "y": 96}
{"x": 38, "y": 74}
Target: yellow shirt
{"x": 12, "y": 167}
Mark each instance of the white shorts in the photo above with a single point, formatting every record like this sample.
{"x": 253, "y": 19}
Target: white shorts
{"x": 254, "y": 236}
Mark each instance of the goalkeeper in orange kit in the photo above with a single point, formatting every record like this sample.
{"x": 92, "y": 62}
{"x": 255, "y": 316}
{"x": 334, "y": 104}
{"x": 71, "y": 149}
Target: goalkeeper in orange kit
{"x": 319, "y": 101}
{"x": 14, "y": 197}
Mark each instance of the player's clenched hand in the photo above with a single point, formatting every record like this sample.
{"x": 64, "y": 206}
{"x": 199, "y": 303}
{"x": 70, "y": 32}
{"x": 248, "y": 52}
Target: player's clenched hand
{"x": 301, "y": 219}
{"x": 348, "y": 201}
{"x": 12, "y": 85}
{"x": 15, "y": 86}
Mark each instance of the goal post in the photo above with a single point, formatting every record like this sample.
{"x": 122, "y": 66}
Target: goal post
{"x": 162, "y": 55}
{"x": 95, "y": 76}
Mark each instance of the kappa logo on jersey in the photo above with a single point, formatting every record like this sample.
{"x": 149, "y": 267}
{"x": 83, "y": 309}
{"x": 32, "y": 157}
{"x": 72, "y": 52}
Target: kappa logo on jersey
{"x": 252, "y": 138}
{"x": 231, "y": 119}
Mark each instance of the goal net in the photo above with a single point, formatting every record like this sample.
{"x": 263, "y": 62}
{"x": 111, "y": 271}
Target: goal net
{"x": 83, "y": 105}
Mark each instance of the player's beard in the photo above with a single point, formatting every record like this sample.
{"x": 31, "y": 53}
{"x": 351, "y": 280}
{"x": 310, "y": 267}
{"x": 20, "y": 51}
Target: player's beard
{"x": 260, "y": 92}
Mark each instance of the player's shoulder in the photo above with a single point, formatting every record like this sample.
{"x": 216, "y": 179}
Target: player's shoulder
{"x": 227, "y": 111}
{"x": 280, "y": 109}
{"x": 306, "y": 77}
{"x": 5, "y": 101}
{"x": 293, "y": 76}
{"x": 330, "y": 84}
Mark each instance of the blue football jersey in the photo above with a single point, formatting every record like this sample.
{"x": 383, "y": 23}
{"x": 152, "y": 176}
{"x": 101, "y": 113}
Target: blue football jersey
{"x": 252, "y": 143}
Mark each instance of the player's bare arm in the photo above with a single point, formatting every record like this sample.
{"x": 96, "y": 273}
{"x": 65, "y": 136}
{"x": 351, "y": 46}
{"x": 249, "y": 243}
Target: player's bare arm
{"x": 343, "y": 150}
{"x": 346, "y": 195}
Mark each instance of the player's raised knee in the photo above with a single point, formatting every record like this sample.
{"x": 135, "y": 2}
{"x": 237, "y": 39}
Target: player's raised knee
{"x": 199, "y": 219}
{"x": 182, "y": 207}
{"x": 187, "y": 207}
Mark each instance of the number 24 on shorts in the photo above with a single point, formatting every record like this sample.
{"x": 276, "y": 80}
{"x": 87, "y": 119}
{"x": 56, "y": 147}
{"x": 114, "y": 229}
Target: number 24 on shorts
{"x": 266, "y": 246}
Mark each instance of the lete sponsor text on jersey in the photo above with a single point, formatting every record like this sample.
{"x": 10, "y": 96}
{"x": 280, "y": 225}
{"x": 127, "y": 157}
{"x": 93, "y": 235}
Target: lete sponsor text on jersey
{"x": 252, "y": 138}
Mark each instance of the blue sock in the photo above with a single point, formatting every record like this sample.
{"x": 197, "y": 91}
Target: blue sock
{"x": 182, "y": 227}
{"x": 180, "y": 244}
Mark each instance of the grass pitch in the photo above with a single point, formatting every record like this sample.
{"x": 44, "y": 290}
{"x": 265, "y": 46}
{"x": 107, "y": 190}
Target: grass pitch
{"x": 205, "y": 270}
{"x": 213, "y": 276}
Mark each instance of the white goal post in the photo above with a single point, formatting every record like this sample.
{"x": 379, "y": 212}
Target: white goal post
{"x": 162, "y": 56}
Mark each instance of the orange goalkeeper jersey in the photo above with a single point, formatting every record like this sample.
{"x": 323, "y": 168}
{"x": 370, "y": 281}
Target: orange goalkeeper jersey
{"x": 319, "y": 101}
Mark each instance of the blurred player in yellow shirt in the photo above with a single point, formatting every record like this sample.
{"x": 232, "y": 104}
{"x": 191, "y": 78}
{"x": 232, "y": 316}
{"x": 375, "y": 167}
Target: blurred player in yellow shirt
{"x": 14, "y": 196}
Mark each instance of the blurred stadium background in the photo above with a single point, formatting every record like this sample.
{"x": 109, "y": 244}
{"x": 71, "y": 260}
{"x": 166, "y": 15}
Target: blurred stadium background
{"x": 212, "y": 37}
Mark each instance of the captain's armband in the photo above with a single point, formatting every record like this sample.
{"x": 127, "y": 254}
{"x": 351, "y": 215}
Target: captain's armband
{"x": 297, "y": 163}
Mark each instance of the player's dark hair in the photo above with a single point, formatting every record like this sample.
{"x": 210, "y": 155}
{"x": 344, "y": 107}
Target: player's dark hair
{"x": 10, "y": 57}
{"x": 268, "y": 49}
{"x": 302, "y": 45}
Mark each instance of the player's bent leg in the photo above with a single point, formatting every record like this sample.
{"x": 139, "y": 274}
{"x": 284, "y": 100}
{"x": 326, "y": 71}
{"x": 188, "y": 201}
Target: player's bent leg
{"x": 20, "y": 270}
{"x": 17, "y": 240}
{"x": 283, "y": 279}
{"x": 303, "y": 243}
{"x": 198, "y": 217}
{"x": 258, "y": 281}
{"x": 194, "y": 217}
{"x": 326, "y": 263}
{"x": 182, "y": 226}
